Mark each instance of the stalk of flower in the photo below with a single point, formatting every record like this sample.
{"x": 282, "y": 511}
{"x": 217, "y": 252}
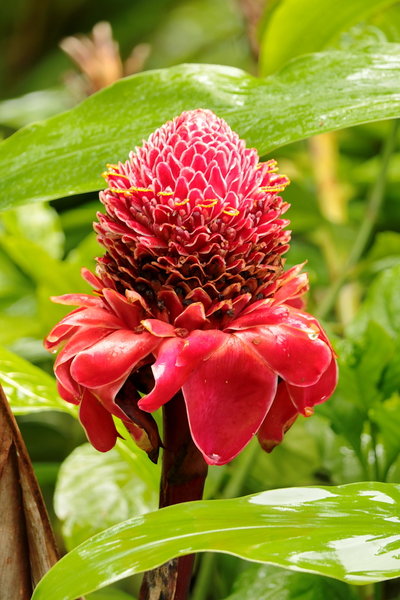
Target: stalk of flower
{"x": 192, "y": 309}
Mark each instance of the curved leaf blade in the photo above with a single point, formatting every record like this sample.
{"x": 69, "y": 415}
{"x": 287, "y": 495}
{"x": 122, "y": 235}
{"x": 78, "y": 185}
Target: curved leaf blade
{"x": 301, "y": 26}
{"x": 349, "y": 533}
{"x": 317, "y": 93}
{"x": 28, "y": 388}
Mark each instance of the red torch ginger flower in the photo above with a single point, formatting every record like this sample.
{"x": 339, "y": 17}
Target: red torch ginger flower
{"x": 192, "y": 285}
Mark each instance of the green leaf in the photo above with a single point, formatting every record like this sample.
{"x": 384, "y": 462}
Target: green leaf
{"x": 110, "y": 594}
{"x": 382, "y": 305}
{"x": 40, "y": 224}
{"x": 387, "y": 417}
{"x": 96, "y": 490}
{"x": 66, "y": 154}
{"x": 271, "y": 583}
{"x": 385, "y": 253}
{"x": 301, "y": 26}
{"x": 34, "y": 106}
{"x": 28, "y": 388}
{"x": 349, "y": 533}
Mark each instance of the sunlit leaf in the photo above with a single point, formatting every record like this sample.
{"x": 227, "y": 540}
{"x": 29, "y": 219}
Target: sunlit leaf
{"x": 313, "y": 94}
{"x": 28, "y": 388}
{"x": 349, "y": 533}
{"x": 301, "y": 26}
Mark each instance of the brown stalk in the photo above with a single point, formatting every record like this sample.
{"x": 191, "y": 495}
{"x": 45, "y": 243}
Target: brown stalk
{"x": 183, "y": 475}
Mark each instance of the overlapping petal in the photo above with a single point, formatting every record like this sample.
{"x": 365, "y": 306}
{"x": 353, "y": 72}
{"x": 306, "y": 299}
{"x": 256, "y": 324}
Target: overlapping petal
{"x": 279, "y": 419}
{"x": 227, "y": 397}
{"x": 177, "y": 358}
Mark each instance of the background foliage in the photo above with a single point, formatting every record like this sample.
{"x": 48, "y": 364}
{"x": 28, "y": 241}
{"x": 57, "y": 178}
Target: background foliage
{"x": 280, "y": 72}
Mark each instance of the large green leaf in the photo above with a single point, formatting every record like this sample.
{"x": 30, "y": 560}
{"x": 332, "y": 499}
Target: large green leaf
{"x": 271, "y": 583}
{"x": 96, "y": 490}
{"x": 301, "y": 26}
{"x": 66, "y": 154}
{"x": 28, "y": 388}
{"x": 349, "y": 533}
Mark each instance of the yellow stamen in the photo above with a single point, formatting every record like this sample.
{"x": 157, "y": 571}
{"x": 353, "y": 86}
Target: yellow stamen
{"x": 211, "y": 202}
{"x": 119, "y": 191}
{"x": 274, "y": 188}
{"x": 111, "y": 166}
{"x": 182, "y": 202}
{"x": 231, "y": 212}
{"x": 165, "y": 193}
{"x": 139, "y": 189}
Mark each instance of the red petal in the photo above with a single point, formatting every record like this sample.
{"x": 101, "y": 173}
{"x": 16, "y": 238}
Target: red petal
{"x": 66, "y": 394}
{"x": 193, "y": 317}
{"x": 305, "y": 398}
{"x": 176, "y": 359}
{"x": 264, "y": 313}
{"x": 77, "y": 300}
{"x": 227, "y": 397}
{"x": 159, "y": 328}
{"x": 279, "y": 419}
{"x": 92, "y": 280}
{"x": 130, "y": 313}
{"x": 298, "y": 358}
{"x": 98, "y": 423}
{"x": 79, "y": 341}
{"x": 68, "y": 384}
{"x": 87, "y": 317}
{"x": 111, "y": 358}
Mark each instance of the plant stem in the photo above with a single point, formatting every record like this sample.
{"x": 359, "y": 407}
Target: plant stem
{"x": 371, "y": 214}
{"x": 232, "y": 489}
{"x": 184, "y": 471}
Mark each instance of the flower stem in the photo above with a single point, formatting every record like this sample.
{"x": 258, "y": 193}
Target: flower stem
{"x": 184, "y": 471}
{"x": 231, "y": 490}
{"x": 364, "y": 233}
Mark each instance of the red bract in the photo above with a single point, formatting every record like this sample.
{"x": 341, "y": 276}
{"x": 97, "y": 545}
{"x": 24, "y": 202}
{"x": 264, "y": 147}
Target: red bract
{"x": 192, "y": 284}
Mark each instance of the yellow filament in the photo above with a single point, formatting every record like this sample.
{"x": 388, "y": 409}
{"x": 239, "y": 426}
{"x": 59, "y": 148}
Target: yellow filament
{"x": 165, "y": 193}
{"x": 211, "y": 202}
{"x": 182, "y": 202}
{"x": 274, "y": 188}
{"x": 139, "y": 189}
{"x": 119, "y": 191}
{"x": 231, "y": 212}
{"x": 111, "y": 166}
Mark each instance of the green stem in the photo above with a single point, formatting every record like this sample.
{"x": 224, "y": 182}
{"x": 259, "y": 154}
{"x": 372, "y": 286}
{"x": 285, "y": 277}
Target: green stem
{"x": 364, "y": 233}
{"x": 231, "y": 490}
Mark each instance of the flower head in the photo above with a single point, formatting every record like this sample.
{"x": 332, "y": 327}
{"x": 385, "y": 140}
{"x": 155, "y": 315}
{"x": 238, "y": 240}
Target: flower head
{"x": 192, "y": 285}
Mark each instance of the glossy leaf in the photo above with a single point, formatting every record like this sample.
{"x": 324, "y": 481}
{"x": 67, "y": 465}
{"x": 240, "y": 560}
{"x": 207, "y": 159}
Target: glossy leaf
{"x": 96, "y": 490}
{"x": 28, "y": 388}
{"x": 301, "y": 26}
{"x": 271, "y": 583}
{"x": 349, "y": 533}
{"x": 316, "y": 93}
